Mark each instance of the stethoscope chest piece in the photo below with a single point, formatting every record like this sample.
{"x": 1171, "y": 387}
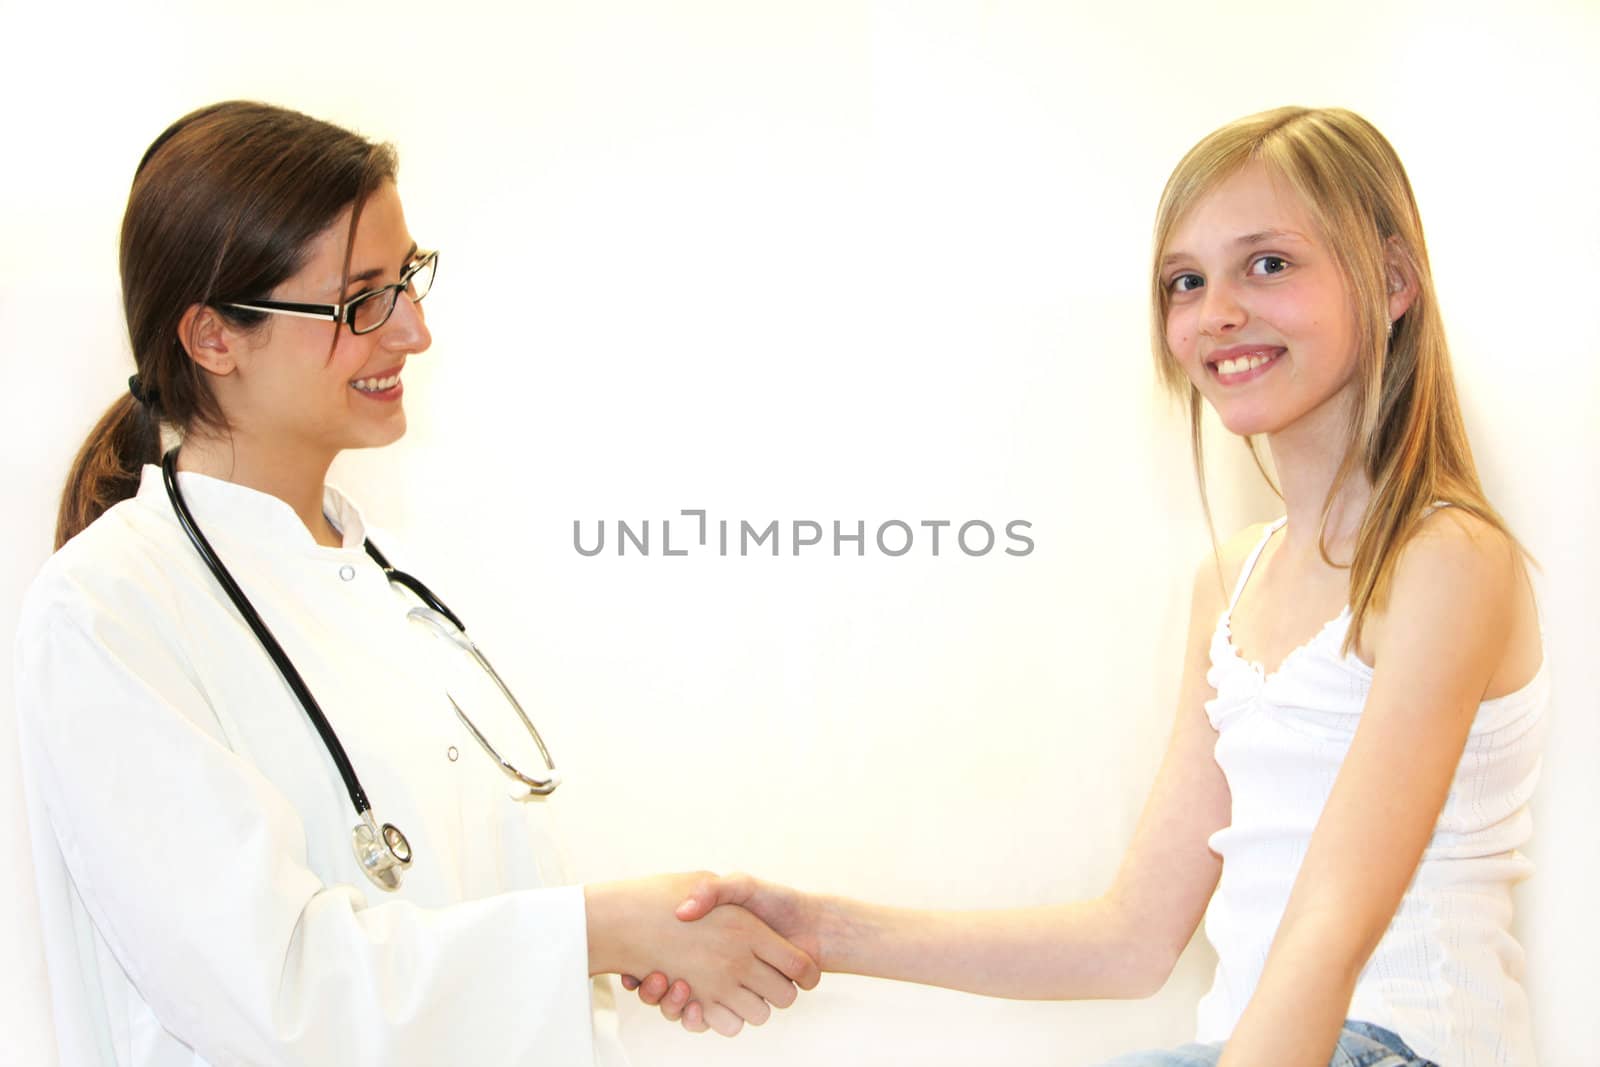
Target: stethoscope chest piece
{"x": 383, "y": 854}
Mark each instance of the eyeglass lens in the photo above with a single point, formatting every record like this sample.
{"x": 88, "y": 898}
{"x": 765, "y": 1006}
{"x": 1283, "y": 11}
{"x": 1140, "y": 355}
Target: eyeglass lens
{"x": 373, "y": 310}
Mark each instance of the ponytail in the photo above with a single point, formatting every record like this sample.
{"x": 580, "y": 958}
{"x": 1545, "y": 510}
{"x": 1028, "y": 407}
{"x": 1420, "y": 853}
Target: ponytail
{"x": 108, "y": 466}
{"x": 224, "y": 205}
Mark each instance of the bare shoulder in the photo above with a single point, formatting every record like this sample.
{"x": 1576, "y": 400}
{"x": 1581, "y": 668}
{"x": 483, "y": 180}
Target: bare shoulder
{"x": 1460, "y": 575}
{"x": 1215, "y": 576}
{"x": 1453, "y": 547}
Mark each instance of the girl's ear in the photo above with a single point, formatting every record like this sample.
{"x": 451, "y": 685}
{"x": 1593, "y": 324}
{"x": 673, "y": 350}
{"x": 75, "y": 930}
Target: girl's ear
{"x": 207, "y": 339}
{"x": 1401, "y": 277}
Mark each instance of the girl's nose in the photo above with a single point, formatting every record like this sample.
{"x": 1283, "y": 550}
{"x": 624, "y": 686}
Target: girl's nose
{"x": 1220, "y": 310}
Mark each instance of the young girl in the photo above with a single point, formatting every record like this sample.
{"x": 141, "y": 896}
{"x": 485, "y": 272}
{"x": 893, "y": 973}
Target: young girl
{"x": 1358, "y": 726}
{"x": 218, "y": 648}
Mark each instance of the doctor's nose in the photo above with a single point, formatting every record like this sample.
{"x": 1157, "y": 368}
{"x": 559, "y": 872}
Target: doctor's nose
{"x": 407, "y": 327}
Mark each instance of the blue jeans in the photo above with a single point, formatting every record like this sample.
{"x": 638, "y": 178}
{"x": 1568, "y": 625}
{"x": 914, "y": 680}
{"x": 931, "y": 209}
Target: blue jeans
{"x": 1360, "y": 1045}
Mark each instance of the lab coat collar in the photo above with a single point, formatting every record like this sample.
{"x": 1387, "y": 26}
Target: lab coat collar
{"x": 249, "y": 513}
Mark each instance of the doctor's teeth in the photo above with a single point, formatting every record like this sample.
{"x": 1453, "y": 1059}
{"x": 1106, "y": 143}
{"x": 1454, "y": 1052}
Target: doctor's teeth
{"x": 376, "y": 385}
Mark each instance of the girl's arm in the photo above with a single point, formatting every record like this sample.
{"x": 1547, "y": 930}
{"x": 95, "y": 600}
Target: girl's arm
{"x": 1122, "y": 944}
{"x": 1444, "y": 632}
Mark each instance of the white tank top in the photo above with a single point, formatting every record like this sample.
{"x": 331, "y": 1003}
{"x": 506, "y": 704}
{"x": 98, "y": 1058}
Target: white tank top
{"x": 1447, "y": 974}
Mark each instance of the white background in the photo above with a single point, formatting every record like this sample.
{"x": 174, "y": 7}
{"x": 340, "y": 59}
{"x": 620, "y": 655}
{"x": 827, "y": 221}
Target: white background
{"x": 840, "y": 261}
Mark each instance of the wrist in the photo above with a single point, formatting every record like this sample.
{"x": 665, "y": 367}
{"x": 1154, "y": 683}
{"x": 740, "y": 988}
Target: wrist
{"x": 604, "y": 907}
{"x": 842, "y": 927}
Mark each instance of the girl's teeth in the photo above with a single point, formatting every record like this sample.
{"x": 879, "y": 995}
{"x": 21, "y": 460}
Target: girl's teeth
{"x": 1243, "y": 363}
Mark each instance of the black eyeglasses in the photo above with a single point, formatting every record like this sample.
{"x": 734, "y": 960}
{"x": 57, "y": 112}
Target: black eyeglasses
{"x": 363, "y": 312}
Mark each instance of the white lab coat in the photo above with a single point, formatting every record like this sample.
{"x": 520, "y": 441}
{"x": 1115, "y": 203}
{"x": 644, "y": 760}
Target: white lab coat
{"x": 200, "y": 901}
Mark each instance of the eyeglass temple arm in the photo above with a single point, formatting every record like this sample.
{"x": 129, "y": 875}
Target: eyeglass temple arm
{"x": 305, "y": 311}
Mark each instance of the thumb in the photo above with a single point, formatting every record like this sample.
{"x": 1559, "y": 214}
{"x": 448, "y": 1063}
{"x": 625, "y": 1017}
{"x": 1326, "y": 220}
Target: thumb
{"x": 709, "y": 893}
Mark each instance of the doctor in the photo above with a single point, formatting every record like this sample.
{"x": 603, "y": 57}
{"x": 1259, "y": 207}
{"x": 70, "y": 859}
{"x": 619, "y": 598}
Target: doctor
{"x": 290, "y": 839}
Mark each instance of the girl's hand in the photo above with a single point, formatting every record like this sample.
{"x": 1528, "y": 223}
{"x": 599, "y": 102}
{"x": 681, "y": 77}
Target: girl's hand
{"x": 797, "y": 916}
{"x": 737, "y": 965}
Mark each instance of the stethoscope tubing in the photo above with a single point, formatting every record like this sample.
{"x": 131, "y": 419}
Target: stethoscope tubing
{"x": 280, "y": 659}
{"x": 422, "y": 592}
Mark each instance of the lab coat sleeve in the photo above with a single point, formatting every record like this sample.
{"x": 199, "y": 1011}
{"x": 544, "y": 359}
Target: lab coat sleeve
{"x": 191, "y": 866}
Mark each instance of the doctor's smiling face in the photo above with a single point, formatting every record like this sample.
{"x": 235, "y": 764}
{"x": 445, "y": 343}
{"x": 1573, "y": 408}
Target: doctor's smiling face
{"x": 289, "y": 384}
{"x": 1259, "y": 315}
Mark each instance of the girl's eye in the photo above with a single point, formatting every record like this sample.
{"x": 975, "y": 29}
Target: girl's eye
{"x": 1269, "y": 265}
{"x": 1185, "y": 283}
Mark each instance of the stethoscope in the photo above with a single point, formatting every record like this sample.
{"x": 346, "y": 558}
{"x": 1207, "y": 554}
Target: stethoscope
{"x": 382, "y": 852}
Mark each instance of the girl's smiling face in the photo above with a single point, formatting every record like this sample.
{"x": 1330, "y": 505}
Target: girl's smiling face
{"x": 1259, "y": 315}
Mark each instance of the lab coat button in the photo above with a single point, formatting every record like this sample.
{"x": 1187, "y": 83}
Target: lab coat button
{"x": 347, "y": 572}
{"x": 452, "y": 753}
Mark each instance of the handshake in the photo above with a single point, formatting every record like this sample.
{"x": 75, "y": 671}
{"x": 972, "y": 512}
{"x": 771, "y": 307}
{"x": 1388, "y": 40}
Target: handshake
{"x": 716, "y": 952}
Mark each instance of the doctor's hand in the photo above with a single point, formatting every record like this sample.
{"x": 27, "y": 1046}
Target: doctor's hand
{"x": 737, "y": 966}
{"x": 799, "y": 917}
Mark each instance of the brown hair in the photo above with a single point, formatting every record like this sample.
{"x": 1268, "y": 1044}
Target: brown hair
{"x": 224, "y": 206}
{"x": 1406, "y": 432}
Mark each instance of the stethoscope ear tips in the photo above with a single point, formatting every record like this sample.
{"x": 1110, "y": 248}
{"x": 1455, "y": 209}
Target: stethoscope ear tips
{"x": 383, "y": 855}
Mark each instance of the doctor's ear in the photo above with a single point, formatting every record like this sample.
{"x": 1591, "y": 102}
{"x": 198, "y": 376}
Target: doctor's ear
{"x": 208, "y": 338}
{"x": 1400, "y": 278}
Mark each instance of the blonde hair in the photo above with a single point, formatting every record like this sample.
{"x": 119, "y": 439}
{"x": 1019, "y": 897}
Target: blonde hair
{"x": 1406, "y": 431}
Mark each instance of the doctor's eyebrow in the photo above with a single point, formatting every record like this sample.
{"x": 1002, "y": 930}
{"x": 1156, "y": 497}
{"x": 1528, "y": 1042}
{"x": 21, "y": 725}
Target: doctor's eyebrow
{"x": 1246, "y": 241}
{"x": 377, "y": 272}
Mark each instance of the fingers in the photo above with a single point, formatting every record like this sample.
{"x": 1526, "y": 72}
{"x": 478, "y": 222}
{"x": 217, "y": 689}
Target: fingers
{"x": 653, "y": 987}
{"x": 675, "y": 1001}
{"x": 771, "y": 986}
{"x": 710, "y": 892}
{"x": 722, "y": 1020}
{"x": 729, "y": 1018}
{"x": 739, "y": 966}
{"x": 763, "y": 986}
{"x": 630, "y": 983}
{"x": 790, "y": 962}
{"x": 694, "y": 1018}
{"x": 748, "y": 1005}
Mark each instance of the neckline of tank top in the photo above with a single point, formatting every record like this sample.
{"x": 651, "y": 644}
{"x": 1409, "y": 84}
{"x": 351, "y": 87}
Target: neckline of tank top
{"x": 1349, "y": 660}
{"x": 1354, "y": 663}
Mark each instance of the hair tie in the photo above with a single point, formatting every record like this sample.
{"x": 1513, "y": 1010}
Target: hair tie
{"x": 143, "y": 393}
